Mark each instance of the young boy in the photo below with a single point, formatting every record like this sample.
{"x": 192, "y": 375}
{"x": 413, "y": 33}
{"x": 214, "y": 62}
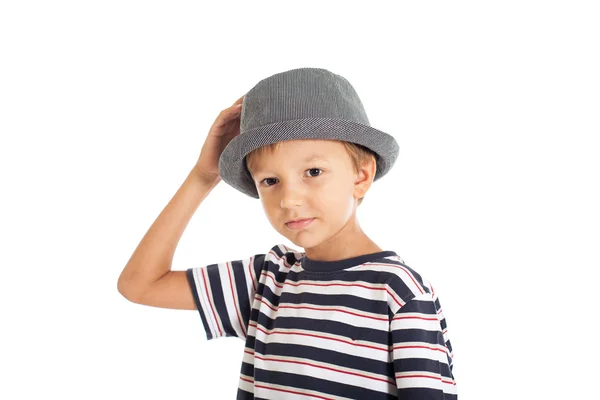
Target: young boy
{"x": 344, "y": 319}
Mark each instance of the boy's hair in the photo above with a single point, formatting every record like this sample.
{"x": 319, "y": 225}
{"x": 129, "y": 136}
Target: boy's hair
{"x": 358, "y": 154}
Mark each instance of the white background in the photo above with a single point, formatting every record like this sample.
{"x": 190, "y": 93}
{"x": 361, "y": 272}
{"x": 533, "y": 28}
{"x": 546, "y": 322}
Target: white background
{"x": 104, "y": 107}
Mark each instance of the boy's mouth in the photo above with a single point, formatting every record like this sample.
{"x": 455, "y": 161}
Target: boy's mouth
{"x": 299, "y": 224}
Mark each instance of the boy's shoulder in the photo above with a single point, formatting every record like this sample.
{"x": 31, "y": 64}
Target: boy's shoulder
{"x": 282, "y": 255}
{"x": 406, "y": 283}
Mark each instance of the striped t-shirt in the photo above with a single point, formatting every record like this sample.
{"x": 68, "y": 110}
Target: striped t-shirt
{"x": 367, "y": 327}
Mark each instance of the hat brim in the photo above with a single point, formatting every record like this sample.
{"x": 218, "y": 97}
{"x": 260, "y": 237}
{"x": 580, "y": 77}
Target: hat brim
{"x": 232, "y": 163}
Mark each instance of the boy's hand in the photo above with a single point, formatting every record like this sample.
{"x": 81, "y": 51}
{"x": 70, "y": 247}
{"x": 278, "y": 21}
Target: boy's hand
{"x": 223, "y": 130}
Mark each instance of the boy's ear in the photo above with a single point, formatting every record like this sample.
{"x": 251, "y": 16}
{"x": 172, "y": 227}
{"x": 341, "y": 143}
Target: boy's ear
{"x": 365, "y": 176}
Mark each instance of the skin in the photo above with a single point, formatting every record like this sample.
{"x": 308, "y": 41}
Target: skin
{"x": 290, "y": 188}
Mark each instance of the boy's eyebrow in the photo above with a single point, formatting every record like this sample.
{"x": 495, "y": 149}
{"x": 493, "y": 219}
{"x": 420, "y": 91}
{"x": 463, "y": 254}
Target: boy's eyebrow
{"x": 312, "y": 157}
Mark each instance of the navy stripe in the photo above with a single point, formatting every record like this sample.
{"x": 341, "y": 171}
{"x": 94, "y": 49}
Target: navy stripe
{"x": 326, "y": 356}
{"x": 243, "y": 395}
{"x": 421, "y": 364}
{"x": 325, "y": 326}
{"x": 412, "y": 335}
{"x": 371, "y": 306}
{"x": 247, "y": 369}
{"x": 419, "y": 306}
{"x": 424, "y": 394}
{"x": 241, "y": 288}
{"x": 218, "y": 299}
{"x": 190, "y": 278}
{"x": 322, "y": 385}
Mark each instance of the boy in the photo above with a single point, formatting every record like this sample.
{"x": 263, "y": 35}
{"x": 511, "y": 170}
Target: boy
{"x": 342, "y": 320}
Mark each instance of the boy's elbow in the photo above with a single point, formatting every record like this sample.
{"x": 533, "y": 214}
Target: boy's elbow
{"x": 123, "y": 289}
{"x": 120, "y": 288}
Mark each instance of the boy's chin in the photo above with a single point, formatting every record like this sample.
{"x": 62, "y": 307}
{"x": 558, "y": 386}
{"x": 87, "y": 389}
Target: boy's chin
{"x": 303, "y": 240}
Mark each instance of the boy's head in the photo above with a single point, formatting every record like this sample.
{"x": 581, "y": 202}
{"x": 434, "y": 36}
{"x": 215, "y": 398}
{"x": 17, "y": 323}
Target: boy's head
{"x": 311, "y": 104}
{"x": 306, "y": 178}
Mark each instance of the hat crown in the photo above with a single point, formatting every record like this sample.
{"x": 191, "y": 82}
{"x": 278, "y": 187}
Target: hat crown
{"x": 301, "y": 93}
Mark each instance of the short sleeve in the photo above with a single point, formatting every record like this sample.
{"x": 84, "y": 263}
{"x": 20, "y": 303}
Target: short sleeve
{"x": 422, "y": 353}
{"x": 223, "y": 293}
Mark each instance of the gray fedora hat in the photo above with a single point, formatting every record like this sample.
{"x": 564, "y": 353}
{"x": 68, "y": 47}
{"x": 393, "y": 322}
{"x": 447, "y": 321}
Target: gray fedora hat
{"x": 302, "y": 103}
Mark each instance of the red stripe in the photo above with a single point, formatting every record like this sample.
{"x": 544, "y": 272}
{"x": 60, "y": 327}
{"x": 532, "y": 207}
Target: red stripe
{"x": 332, "y": 309}
{"x": 316, "y": 336}
{"x": 276, "y": 257}
{"x": 411, "y": 317}
{"x": 393, "y": 296}
{"x": 268, "y": 305}
{"x": 418, "y": 347}
{"x": 407, "y": 272}
{"x": 250, "y": 272}
{"x": 427, "y": 376}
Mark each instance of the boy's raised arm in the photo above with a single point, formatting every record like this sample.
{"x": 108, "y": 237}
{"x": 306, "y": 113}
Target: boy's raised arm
{"x": 147, "y": 278}
{"x": 152, "y": 259}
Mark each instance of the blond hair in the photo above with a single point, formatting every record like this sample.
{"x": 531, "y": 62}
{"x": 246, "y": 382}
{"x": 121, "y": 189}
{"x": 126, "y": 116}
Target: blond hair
{"x": 358, "y": 154}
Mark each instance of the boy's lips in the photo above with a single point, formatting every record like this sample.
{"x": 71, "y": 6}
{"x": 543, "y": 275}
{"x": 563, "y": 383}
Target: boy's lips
{"x": 299, "y": 224}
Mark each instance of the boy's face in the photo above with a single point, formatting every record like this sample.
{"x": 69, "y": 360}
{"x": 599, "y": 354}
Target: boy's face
{"x": 292, "y": 186}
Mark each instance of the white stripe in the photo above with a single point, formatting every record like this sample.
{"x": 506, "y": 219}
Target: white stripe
{"x": 430, "y": 324}
{"x": 434, "y": 382}
{"x": 420, "y": 350}
{"x": 367, "y": 290}
{"x": 229, "y": 300}
{"x": 328, "y": 313}
{"x": 200, "y": 288}
{"x": 322, "y": 370}
{"x": 245, "y": 385}
{"x": 343, "y": 344}
{"x": 251, "y": 279}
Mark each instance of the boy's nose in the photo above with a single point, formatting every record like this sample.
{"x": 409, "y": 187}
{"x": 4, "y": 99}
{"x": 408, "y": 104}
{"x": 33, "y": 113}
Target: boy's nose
{"x": 291, "y": 196}
{"x": 290, "y": 201}
{"x": 293, "y": 193}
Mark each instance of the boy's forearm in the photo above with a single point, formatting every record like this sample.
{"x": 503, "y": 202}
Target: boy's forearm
{"x": 153, "y": 256}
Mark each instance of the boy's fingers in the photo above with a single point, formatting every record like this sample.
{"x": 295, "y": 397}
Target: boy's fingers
{"x": 239, "y": 101}
{"x": 228, "y": 114}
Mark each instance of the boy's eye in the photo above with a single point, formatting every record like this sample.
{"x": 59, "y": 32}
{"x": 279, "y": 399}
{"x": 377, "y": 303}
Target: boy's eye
{"x": 311, "y": 169}
{"x": 315, "y": 169}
